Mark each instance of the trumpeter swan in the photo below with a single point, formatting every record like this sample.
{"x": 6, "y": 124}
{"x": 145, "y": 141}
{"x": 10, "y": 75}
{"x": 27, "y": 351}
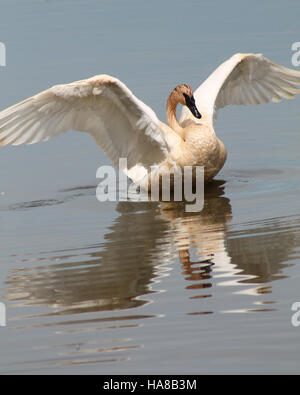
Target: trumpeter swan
{"x": 124, "y": 127}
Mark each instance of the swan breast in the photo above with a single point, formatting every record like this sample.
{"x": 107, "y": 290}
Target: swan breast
{"x": 200, "y": 147}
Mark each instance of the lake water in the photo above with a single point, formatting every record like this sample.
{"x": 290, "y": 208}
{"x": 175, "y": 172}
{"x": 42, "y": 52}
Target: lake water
{"x": 145, "y": 288}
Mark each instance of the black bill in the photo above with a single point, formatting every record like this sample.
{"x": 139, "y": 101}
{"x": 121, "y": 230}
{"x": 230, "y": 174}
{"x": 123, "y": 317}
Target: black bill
{"x": 191, "y": 104}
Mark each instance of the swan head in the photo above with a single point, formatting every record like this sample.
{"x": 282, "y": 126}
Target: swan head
{"x": 185, "y": 96}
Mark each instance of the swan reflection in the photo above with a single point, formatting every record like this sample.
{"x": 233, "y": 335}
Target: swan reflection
{"x": 141, "y": 245}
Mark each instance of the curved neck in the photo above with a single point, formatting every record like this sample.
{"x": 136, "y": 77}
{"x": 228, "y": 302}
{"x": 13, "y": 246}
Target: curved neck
{"x": 171, "y": 114}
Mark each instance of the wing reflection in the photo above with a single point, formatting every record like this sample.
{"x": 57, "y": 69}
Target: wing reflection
{"x": 119, "y": 273}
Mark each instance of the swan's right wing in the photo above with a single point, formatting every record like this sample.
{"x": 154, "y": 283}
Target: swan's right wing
{"x": 245, "y": 79}
{"x": 122, "y": 125}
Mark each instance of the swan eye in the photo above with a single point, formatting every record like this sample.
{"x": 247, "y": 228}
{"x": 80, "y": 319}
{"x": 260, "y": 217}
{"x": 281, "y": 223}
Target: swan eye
{"x": 189, "y": 100}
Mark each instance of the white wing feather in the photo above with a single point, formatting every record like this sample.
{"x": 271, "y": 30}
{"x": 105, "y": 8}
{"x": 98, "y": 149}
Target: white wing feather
{"x": 103, "y": 106}
{"x": 245, "y": 79}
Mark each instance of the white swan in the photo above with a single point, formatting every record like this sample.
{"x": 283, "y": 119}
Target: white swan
{"x": 125, "y": 127}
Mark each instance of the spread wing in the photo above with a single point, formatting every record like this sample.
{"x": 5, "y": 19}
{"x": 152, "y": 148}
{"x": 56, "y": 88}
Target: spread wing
{"x": 244, "y": 79}
{"x": 122, "y": 125}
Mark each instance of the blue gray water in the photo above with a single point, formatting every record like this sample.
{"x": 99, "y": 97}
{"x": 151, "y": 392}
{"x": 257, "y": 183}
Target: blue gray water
{"x": 139, "y": 288}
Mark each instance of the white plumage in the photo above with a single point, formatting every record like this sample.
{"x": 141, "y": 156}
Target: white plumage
{"x": 245, "y": 79}
{"x": 124, "y": 127}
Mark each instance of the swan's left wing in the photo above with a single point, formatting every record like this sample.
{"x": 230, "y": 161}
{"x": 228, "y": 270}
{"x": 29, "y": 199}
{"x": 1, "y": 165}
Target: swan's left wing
{"x": 244, "y": 79}
{"x": 122, "y": 125}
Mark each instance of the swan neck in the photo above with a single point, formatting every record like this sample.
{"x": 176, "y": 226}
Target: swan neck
{"x": 172, "y": 103}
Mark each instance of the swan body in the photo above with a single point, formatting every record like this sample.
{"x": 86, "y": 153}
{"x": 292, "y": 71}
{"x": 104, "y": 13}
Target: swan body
{"x": 125, "y": 127}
